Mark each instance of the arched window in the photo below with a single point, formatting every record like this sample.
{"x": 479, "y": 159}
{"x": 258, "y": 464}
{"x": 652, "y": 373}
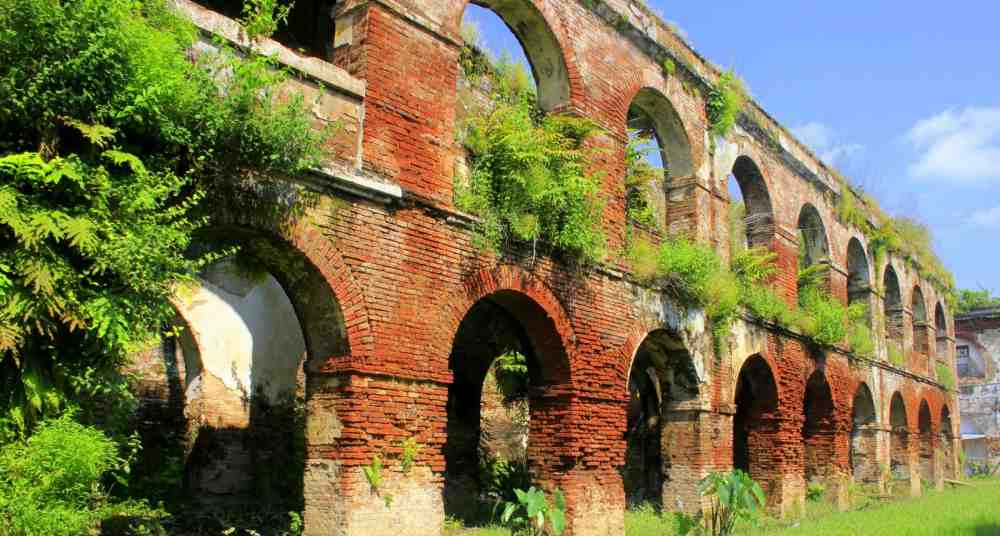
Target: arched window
{"x": 813, "y": 248}
{"x": 537, "y": 43}
{"x": 899, "y": 438}
{"x": 941, "y": 332}
{"x": 921, "y": 329}
{"x": 864, "y": 437}
{"x": 858, "y": 274}
{"x": 751, "y": 215}
{"x": 892, "y": 308}
{"x": 659, "y": 152}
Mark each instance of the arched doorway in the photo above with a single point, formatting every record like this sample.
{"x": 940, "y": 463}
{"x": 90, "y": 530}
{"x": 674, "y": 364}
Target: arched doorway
{"x": 504, "y": 354}
{"x": 818, "y": 433}
{"x": 864, "y": 437}
{"x": 754, "y": 424}
{"x": 926, "y": 447}
{"x": 899, "y": 440}
{"x": 658, "y": 456}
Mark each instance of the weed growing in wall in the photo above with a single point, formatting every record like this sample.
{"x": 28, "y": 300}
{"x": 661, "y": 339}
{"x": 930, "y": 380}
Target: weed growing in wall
{"x": 725, "y": 102}
{"x": 945, "y": 376}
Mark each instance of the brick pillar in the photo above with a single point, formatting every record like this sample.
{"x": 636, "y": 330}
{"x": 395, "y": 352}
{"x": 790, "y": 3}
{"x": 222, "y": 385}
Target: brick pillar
{"x": 786, "y": 246}
{"x": 687, "y": 438}
{"x": 685, "y": 199}
{"x": 352, "y": 417}
{"x": 913, "y": 455}
{"x": 775, "y": 446}
{"x": 577, "y": 445}
{"x": 837, "y": 281}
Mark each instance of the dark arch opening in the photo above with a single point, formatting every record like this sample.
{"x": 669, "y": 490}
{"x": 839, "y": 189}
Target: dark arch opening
{"x": 892, "y": 308}
{"x": 941, "y": 332}
{"x": 921, "y": 329}
{"x": 505, "y": 352}
{"x": 814, "y": 250}
{"x": 539, "y": 45}
{"x": 926, "y": 442}
{"x": 752, "y": 217}
{"x": 754, "y": 425}
{"x": 818, "y": 427}
{"x": 858, "y": 275}
{"x": 661, "y": 378}
{"x": 864, "y": 437}
{"x": 899, "y": 435}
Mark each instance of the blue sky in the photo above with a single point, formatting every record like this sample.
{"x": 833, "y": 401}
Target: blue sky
{"x": 904, "y": 97}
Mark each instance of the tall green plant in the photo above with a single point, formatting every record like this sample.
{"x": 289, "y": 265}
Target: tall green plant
{"x": 733, "y": 497}
{"x": 533, "y": 515}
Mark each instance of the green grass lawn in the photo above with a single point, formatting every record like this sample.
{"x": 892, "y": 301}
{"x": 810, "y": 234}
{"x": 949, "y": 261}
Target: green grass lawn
{"x": 964, "y": 511}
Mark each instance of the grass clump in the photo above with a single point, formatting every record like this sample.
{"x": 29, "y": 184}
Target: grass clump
{"x": 945, "y": 376}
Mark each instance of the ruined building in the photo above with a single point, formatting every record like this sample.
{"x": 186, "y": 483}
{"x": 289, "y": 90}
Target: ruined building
{"x": 977, "y": 349}
{"x": 374, "y": 307}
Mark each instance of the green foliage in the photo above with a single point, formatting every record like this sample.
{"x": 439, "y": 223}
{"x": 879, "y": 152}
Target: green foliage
{"x": 815, "y": 491}
{"x": 895, "y": 353}
{"x": 945, "y": 376}
{"x": 825, "y": 319}
{"x": 529, "y": 181}
{"x": 725, "y": 102}
{"x": 669, "y": 67}
{"x": 498, "y": 478}
{"x": 373, "y": 472}
{"x": 411, "y": 449}
{"x": 52, "y": 483}
{"x": 640, "y": 178}
{"x": 860, "y": 337}
{"x": 533, "y": 515}
{"x": 108, "y": 135}
{"x": 733, "y": 498}
{"x": 511, "y": 371}
{"x": 261, "y": 18}
{"x": 971, "y": 300}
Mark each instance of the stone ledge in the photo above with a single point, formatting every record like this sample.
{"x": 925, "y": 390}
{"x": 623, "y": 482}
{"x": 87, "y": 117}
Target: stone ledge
{"x": 217, "y": 24}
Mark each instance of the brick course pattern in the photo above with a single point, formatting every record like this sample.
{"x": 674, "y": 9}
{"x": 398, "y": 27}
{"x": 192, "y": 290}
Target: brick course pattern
{"x": 386, "y": 245}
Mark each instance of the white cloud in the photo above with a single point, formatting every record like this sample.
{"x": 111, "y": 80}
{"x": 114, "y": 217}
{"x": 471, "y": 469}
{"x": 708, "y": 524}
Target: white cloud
{"x": 959, "y": 146}
{"x": 824, "y": 142}
{"x": 989, "y": 217}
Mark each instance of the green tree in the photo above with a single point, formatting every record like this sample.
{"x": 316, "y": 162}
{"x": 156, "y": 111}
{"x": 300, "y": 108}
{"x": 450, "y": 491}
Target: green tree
{"x": 110, "y": 137}
{"x": 970, "y": 300}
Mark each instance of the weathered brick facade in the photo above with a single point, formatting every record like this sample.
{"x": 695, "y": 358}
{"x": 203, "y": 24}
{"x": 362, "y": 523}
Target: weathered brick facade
{"x": 391, "y": 274}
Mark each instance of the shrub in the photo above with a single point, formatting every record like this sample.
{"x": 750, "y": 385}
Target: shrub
{"x": 533, "y": 515}
{"x": 815, "y": 491}
{"x": 895, "y": 353}
{"x": 725, "y": 102}
{"x": 52, "y": 482}
{"x": 640, "y": 178}
{"x": 529, "y": 181}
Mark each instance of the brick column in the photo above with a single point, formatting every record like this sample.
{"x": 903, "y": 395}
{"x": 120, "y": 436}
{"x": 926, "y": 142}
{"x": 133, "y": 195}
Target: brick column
{"x": 687, "y": 438}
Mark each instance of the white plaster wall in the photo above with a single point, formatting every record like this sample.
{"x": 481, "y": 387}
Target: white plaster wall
{"x": 246, "y": 332}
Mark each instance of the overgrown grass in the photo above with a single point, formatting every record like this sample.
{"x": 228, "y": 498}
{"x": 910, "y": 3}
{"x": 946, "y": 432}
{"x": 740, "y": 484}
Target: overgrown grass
{"x": 957, "y": 512}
